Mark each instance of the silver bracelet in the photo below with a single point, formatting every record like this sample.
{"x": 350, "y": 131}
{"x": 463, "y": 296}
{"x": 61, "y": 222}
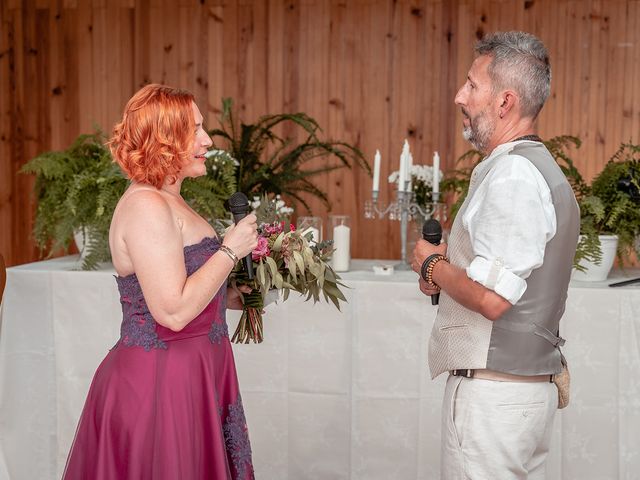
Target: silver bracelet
{"x": 230, "y": 253}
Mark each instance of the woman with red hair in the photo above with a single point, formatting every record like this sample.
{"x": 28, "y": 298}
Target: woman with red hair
{"x": 165, "y": 402}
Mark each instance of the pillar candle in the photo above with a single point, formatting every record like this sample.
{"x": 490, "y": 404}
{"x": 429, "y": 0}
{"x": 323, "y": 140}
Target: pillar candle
{"x": 341, "y": 243}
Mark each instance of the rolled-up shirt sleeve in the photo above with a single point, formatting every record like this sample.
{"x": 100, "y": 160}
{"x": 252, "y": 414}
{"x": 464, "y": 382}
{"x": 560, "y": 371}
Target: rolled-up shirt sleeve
{"x": 510, "y": 221}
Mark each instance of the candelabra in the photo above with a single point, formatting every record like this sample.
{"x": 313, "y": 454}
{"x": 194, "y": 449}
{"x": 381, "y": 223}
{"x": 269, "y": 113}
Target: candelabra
{"x": 403, "y": 209}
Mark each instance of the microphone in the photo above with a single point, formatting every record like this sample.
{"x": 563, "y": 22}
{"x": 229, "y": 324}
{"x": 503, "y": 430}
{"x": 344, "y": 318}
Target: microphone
{"x": 239, "y": 207}
{"x": 432, "y": 233}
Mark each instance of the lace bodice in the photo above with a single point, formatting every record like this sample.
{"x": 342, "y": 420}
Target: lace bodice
{"x": 140, "y": 329}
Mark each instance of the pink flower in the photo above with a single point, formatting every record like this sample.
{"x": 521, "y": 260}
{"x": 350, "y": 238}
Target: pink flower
{"x": 272, "y": 228}
{"x": 292, "y": 227}
{"x": 262, "y": 250}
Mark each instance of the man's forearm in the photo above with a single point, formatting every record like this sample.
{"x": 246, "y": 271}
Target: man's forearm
{"x": 471, "y": 295}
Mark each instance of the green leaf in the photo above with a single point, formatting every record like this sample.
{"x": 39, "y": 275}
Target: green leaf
{"x": 272, "y": 266}
{"x": 277, "y": 245}
{"x": 278, "y": 280}
{"x": 333, "y": 291}
{"x": 299, "y": 261}
{"x": 321, "y": 275}
{"x": 261, "y": 274}
{"x": 292, "y": 269}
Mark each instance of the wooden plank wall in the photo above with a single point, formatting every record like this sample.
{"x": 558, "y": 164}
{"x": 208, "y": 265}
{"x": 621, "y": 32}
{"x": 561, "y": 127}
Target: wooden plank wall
{"x": 372, "y": 72}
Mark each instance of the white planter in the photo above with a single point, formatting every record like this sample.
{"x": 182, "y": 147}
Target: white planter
{"x": 599, "y": 273}
{"x": 78, "y": 238}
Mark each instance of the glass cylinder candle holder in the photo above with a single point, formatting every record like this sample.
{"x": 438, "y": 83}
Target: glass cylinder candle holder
{"x": 310, "y": 225}
{"x": 340, "y": 231}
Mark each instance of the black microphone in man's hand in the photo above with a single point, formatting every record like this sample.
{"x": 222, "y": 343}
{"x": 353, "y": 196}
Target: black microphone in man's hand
{"x": 239, "y": 207}
{"x": 432, "y": 233}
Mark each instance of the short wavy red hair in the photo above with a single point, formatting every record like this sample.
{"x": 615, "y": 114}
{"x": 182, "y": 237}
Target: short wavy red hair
{"x": 155, "y": 138}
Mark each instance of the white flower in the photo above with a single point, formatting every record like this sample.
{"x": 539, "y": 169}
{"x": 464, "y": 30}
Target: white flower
{"x": 421, "y": 175}
{"x": 255, "y": 203}
{"x": 220, "y": 156}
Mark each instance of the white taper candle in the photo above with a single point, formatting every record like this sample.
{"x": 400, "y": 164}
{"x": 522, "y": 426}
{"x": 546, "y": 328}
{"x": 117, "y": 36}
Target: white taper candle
{"x": 401, "y": 173}
{"x": 436, "y": 172}
{"x": 376, "y": 171}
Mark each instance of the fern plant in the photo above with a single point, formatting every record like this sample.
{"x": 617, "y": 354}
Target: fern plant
{"x": 272, "y": 165}
{"x": 76, "y": 189}
{"x": 617, "y": 187}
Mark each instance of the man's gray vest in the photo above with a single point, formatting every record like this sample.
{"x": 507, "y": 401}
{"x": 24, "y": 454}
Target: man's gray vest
{"x": 525, "y": 340}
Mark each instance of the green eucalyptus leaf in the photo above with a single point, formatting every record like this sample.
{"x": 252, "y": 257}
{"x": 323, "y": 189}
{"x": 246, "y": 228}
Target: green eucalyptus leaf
{"x": 278, "y": 280}
{"x": 272, "y": 266}
{"x": 299, "y": 261}
{"x": 292, "y": 270}
{"x": 261, "y": 274}
{"x": 277, "y": 245}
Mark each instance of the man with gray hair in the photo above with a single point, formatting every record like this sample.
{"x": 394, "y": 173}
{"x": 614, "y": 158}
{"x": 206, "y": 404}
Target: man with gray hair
{"x": 503, "y": 278}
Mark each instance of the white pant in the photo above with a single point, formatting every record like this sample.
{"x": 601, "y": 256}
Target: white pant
{"x": 496, "y": 430}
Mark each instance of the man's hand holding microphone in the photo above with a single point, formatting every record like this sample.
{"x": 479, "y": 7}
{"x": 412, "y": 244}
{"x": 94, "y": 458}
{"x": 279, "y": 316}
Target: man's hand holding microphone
{"x": 426, "y": 254}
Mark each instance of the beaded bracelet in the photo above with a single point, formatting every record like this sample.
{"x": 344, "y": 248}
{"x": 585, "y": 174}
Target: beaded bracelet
{"x": 426, "y": 271}
{"x": 230, "y": 253}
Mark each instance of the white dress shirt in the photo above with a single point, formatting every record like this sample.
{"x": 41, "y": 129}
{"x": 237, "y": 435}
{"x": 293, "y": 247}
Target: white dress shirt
{"x": 510, "y": 219}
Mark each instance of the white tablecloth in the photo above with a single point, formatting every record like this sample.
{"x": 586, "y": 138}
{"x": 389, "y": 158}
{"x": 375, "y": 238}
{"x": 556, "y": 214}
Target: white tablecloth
{"x": 328, "y": 395}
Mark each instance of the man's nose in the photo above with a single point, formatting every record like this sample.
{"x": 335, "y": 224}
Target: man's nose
{"x": 459, "y": 98}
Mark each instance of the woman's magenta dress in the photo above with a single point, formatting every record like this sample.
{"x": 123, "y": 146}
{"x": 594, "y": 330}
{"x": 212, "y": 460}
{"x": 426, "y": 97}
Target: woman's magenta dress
{"x": 164, "y": 404}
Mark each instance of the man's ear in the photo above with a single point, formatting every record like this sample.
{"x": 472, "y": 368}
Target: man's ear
{"x": 508, "y": 100}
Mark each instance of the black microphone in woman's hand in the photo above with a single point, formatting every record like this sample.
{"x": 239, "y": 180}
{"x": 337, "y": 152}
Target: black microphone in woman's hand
{"x": 432, "y": 233}
{"x": 239, "y": 207}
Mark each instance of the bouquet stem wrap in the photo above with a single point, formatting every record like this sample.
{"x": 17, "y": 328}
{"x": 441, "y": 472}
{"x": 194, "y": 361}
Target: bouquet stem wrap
{"x": 250, "y": 327}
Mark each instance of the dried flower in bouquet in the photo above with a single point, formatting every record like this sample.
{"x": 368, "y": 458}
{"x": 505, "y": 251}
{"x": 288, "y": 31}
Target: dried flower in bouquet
{"x": 284, "y": 260}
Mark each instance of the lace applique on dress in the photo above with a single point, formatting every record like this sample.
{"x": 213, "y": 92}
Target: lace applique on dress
{"x": 196, "y": 255}
{"x": 138, "y": 326}
{"x": 218, "y": 332}
{"x": 219, "y": 329}
{"x": 236, "y": 437}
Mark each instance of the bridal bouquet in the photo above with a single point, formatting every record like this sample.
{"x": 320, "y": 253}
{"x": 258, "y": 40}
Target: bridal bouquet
{"x": 284, "y": 260}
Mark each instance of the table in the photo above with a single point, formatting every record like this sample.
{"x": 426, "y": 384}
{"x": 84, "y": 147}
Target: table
{"x": 328, "y": 395}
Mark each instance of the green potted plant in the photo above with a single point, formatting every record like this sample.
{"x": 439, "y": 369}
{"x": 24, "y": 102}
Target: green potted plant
{"x": 611, "y": 212}
{"x": 77, "y": 190}
{"x": 273, "y": 165}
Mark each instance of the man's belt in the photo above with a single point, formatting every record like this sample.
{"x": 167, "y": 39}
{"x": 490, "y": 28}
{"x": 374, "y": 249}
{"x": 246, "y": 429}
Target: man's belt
{"x": 485, "y": 374}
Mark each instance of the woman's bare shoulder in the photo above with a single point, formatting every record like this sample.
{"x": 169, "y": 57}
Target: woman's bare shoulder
{"x": 141, "y": 218}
